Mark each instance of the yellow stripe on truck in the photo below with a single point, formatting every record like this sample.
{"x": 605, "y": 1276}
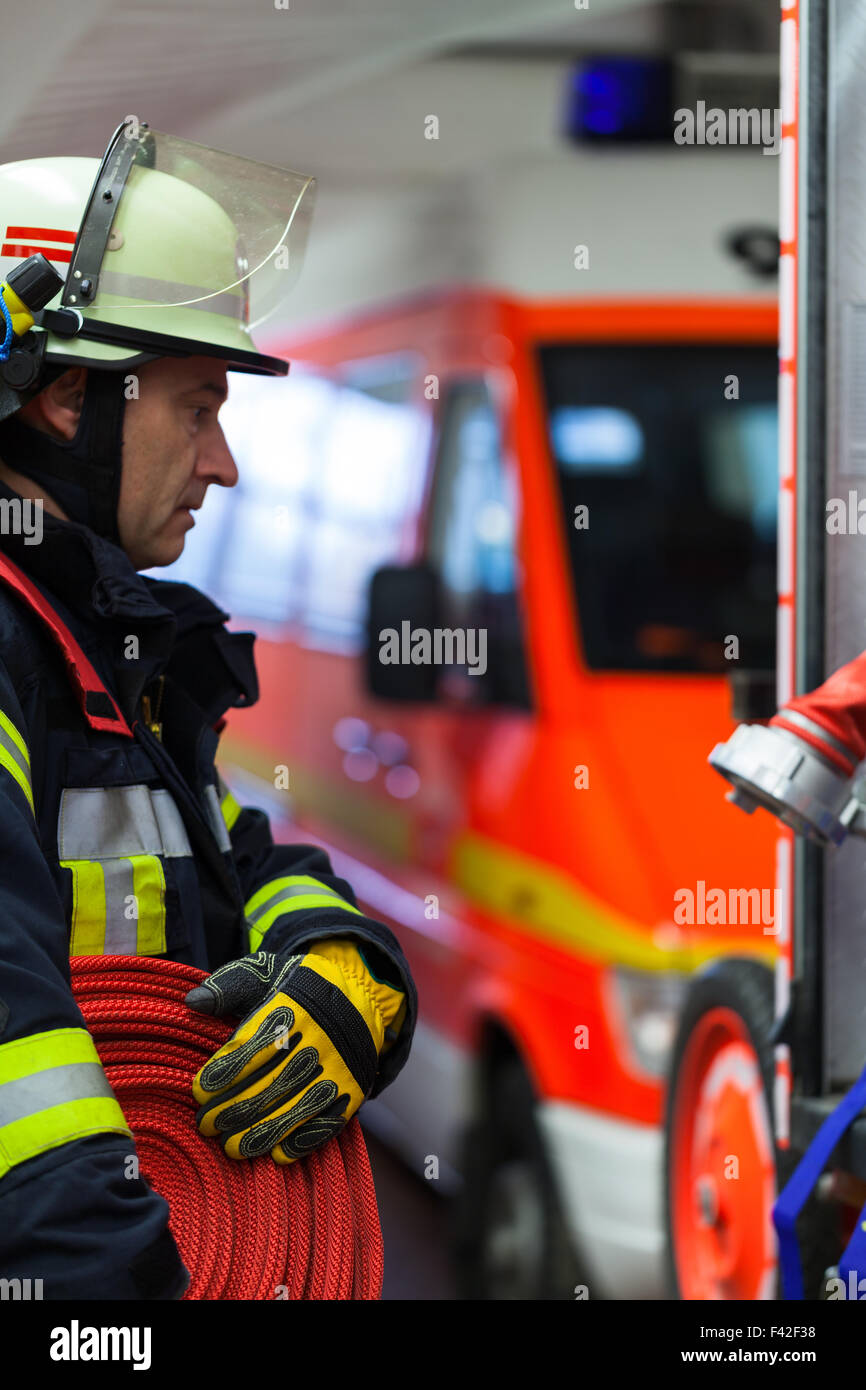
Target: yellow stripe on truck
{"x": 539, "y": 898}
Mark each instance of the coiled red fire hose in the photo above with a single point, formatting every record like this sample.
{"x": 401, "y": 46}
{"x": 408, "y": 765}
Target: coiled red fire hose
{"x": 245, "y": 1230}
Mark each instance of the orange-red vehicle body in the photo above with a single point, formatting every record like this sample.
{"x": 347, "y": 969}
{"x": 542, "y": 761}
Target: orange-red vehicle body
{"x": 516, "y": 893}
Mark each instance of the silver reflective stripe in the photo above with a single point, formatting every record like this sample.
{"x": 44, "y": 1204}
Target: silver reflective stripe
{"x": 175, "y": 844}
{"x": 121, "y": 932}
{"x": 15, "y": 753}
{"x": 300, "y": 890}
{"x": 14, "y": 756}
{"x": 217, "y": 822}
{"x": 30, "y": 1094}
{"x": 118, "y": 822}
{"x": 163, "y": 293}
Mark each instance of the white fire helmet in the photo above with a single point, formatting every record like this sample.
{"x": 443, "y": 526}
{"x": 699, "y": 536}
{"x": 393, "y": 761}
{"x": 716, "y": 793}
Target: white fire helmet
{"x": 166, "y": 248}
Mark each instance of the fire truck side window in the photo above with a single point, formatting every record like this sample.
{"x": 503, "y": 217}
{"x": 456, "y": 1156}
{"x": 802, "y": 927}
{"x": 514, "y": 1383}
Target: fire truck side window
{"x": 666, "y": 460}
{"x": 331, "y": 473}
{"x": 472, "y": 546}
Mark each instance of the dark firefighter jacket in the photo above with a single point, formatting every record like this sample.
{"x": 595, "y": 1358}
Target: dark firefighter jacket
{"x": 122, "y": 843}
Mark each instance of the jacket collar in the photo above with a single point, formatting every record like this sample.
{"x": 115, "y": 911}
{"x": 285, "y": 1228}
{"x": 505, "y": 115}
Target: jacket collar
{"x": 90, "y": 576}
{"x": 94, "y": 586}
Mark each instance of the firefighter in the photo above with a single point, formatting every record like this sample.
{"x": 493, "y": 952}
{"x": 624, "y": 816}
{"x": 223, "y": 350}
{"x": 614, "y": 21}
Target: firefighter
{"x": 117, "y": 834}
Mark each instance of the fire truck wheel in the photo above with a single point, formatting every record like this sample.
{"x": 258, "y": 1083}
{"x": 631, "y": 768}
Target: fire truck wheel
{"x": 722, "y": 1168}
{"x": 509, "y": 1234}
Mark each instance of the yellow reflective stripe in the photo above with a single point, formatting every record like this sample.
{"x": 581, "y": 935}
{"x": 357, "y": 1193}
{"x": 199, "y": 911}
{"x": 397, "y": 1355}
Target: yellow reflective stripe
{"x": 7, "y": 761}
{"x": 277, "y": 885}
{"x": 148, "y": 885}
{"x": 9, "y": 728}
{"x": 137, "y": 923}
{"x": 88, "y": 907}
{"x": 38, "y": 1058}
{"x": 267, "y": 919}
{"x": 59, "y": 1047}
{"x": 304, "y": 901}
{"x": 289, "y": 894}
{"x": 15, "y": 757}
{"x": 75, "y": 1119}
{"x": 230, "y": 809}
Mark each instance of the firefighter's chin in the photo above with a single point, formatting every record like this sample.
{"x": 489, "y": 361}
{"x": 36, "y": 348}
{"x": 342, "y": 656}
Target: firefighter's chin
{"x": 174, "y": 535}
{"x": 166, "y": 545}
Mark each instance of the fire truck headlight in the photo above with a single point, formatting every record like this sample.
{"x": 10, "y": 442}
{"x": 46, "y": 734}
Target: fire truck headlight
{"x": 645, "y": 1009}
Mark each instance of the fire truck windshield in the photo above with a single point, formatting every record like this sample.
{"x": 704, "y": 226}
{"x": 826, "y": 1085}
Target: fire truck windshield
{"x": 666, "y": 462}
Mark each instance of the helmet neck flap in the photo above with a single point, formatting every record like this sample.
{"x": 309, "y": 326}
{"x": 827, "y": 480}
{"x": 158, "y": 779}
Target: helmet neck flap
{"x": 83, "y": 474}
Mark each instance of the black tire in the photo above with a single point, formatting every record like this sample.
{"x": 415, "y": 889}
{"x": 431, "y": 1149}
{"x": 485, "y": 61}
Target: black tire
{"x": 746, "y": 987}
{"x": 504, "y": 1160}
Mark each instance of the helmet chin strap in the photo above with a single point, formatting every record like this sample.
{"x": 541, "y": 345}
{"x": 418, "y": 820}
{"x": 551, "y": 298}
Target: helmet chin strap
{"x": 82, "y": 474}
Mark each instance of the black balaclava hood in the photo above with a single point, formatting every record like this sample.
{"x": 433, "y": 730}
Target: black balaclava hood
{"x": 83, "y": 474}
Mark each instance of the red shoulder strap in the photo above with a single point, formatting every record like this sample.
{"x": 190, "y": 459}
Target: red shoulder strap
{"x": 92, "y": 694}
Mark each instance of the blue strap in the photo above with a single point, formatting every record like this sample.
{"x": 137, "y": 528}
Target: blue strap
{"x": 794, "y": 1195}
{"x": 7, "y": 343}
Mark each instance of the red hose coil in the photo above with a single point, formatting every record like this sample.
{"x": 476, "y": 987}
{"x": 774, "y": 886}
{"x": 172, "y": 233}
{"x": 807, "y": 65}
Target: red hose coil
{"x": 250, "y": 1229}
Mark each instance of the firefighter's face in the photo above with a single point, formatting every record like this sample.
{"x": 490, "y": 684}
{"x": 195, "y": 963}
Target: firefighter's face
{"x": 173, "y": 449}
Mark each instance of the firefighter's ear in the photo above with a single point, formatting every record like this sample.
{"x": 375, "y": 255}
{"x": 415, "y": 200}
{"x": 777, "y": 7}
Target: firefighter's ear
{"x": 57, "y": 408}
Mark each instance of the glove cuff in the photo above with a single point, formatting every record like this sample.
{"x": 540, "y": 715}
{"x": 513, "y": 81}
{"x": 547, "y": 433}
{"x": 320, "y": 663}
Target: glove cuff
{"x": 347, "y": 954}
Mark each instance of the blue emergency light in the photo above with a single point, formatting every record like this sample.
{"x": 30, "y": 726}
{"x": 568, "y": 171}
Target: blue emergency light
{"x": 620, "y": 100}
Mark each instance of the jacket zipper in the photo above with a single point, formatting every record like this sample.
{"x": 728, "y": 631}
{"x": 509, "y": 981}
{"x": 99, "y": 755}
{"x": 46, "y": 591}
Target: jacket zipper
{"x": 152, "y": 720}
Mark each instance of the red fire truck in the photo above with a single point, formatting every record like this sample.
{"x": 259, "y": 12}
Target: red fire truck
{"x": 587, "y": 483}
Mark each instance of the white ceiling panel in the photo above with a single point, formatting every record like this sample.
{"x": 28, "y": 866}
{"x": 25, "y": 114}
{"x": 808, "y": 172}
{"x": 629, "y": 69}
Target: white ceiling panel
{"x": 229, "y": 73}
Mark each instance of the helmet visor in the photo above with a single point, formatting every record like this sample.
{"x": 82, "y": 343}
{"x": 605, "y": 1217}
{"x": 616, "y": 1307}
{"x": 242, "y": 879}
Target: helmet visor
{"x": 171, "y": 224}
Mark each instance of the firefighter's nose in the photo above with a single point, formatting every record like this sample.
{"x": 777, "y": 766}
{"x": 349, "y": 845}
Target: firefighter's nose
{"x": 216, "y": 462}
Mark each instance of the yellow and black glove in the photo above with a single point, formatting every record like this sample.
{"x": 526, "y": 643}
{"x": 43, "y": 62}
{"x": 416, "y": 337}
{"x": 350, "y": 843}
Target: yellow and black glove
{"x": 305, "y": 1056}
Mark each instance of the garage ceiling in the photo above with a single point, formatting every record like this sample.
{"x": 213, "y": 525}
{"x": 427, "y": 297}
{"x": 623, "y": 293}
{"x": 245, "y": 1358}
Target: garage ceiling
{"x": 260, "y": 80}
{"x": 341, "y": 90}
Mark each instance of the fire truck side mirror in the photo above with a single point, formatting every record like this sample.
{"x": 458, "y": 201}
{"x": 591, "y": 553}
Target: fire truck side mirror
{"x": 403, "y": 605}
